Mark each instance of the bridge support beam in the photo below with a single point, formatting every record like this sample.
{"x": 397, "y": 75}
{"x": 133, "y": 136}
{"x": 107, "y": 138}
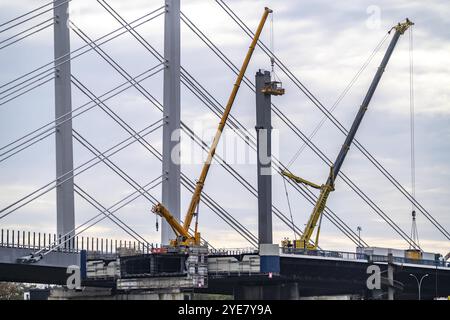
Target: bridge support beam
{"x": 63, "y": 108}
{"x": 171, "y": 112}
{"x": 269, "y": 253}
{"x": 264, "y": 164}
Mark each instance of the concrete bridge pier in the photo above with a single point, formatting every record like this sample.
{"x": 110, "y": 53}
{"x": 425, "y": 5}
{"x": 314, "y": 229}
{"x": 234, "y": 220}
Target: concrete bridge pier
{"x": 279, "y": 291}
{"x": 269, "y": 252}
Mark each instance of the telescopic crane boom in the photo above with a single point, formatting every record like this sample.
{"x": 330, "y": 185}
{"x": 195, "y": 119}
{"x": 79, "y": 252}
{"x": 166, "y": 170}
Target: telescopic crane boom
{"x": 184, "y": 237}
{"x": 328, "y": 187}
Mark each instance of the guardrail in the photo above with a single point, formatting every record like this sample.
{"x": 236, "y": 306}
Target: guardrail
{"x": 326, "y": 254}
{"x": 232, "y": 251}
{"x": 438, "y": 263}
{"x": 37, "y": 241}
{"x": 362, "y": 256}
{"x": 231, "y": 266}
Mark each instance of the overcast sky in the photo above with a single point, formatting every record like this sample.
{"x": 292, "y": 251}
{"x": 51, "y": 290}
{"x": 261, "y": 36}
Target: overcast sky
{"x": 324, "y": 43}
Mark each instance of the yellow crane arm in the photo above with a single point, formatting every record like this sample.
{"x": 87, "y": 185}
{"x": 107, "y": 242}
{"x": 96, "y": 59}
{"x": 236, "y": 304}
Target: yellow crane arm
{"x": 161, "y": 211}
{"x": 159, "y": 208}
{"x": 328, "y": 187}
{"x": 325, "y": 190}
{"x": 299, "y": 180}
{"x": 314, "y": 218}
{"x": 201, "y": 181}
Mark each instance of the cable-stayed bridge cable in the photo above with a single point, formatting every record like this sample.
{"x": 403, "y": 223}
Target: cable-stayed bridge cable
{"x": 80, "y": 109}
{"x": 331, "y": 117}
{"x": 210, "y": 203}
{"x": 71, "y": 55}
{"x": 302, "y": 136}
{"x": 83, "y": 167}
{"x": 152, "y": 50}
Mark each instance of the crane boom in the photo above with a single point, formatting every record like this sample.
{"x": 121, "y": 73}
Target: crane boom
{"x": 201, "y": 181}
{"x": 399, "y": 30}
{"x": 182, "y": 230}
{"x": 328, "y": 187}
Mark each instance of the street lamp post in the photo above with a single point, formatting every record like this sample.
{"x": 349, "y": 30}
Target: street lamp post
{"x": 419, "y": 283}
{"x": 359, "y": 235}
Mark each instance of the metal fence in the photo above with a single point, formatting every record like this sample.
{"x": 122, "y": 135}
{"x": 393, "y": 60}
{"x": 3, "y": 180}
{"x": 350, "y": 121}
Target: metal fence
{"x": 437, "y": 263}
{"x": 38, "y": 241}
{"x": 363, "y": 256}
{"x": 326, "y": 254}
{"x": 232, "y": 251}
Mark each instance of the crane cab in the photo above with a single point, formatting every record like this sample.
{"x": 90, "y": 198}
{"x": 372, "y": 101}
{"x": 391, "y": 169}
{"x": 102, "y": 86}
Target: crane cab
{"x": 182, "y": 241}
{"x": 274, "y": 88}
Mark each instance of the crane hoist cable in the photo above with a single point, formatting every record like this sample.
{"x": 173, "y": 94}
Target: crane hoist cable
{"x": 275, "y": 87}
{"x": 289, "y": 207}
{"x": 275, "y": 78}
{"x": 414, "y": 232}
{"x": 412, "y": 122}
{"x": 272, "y": 45}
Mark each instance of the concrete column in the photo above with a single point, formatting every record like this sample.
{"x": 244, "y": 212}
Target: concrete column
{"x": 390, "y": 272}
{"x": 258, "y": 292}
{"x": 63, "y": 108}
{"x": 263, "y": 130}
{"x": 171, "y": 112}
{"x": 289, "y": 291}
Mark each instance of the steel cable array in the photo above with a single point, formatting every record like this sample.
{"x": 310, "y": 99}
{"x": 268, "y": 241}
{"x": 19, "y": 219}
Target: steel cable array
{"x": 200, "y": 93}
{"x": 52, "y": 65}
{"x": 331, "y": 117}
{"x": 114, "y": 218}
{"x": 184, "y": 72}
{"x": 16, "y": 90}
{"x": 42, "y": 135}
{"x": 67, "y": 237}
{"x": 83, "y": 167}
{"x": 4, "y": 24}
{"x": 237, "y": 126}
{"x": 39, "y": 136}
{"x": 250, "y": 237}
{"x": 316, "y": 150}
{"x": 141, "y": 140}
{"x": 152, "y": 99}
{"x": 187, "y": 182}
{"x": 50, "y": 126}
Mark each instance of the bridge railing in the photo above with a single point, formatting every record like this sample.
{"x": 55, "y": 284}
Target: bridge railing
{"x": 38, "y": 240}
{"x": 232, "y": 251}
{"x": 438, "y": 263}
{"x": 325, "y": 253}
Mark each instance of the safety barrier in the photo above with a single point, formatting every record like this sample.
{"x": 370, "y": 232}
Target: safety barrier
{"x": 326, "y": 254}
{"x": 38, "y": 241}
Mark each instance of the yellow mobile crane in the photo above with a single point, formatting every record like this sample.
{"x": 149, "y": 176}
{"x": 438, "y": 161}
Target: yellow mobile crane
{"x": 314, "y": 220}
{"x": 183, "y": 235}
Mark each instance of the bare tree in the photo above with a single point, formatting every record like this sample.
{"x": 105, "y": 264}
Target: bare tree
{"x": 11, "y": 291}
